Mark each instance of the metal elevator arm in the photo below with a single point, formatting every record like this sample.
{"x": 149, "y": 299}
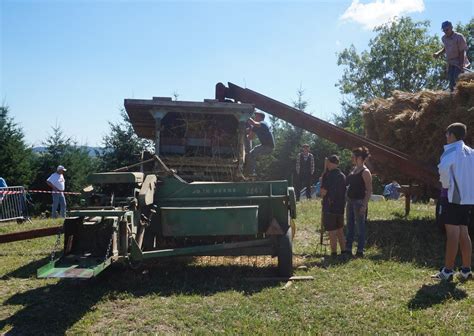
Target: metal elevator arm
{"x": 382, "y": 153}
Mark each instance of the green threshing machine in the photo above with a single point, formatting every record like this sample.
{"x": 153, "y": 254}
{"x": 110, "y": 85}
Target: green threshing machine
{"x": 190, "y": 199}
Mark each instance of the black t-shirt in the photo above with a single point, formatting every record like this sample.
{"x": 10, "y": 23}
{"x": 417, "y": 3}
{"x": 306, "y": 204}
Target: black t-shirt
{"x": 264, "y": 134}
{"x": 334, "y": 181}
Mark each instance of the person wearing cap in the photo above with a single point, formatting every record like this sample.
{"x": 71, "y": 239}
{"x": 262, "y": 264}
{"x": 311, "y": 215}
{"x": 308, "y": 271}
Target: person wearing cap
{"x": 57, "y": 182}
{"x": 333, "y": 191}
{"x": 304, "y": 171}
{"x": 455, "y": 48}
{"x": 260, "y": 128}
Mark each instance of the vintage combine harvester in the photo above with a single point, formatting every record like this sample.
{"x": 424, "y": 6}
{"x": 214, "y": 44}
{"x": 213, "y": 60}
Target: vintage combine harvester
{"x": 171, "y": 209}
{"x": 135, "y": 216}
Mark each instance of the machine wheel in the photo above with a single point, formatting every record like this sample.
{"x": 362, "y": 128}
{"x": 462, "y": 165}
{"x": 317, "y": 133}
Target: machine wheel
{"x": 285, "y": 255}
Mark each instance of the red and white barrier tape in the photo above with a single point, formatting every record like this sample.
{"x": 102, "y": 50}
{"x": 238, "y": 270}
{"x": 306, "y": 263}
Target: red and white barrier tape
{"x": 8, "y": 192}
{"x": 53, "y": 192}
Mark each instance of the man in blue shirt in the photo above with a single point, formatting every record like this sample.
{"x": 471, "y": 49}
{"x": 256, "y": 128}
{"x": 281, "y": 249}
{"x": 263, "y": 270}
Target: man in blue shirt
{"x": 261, "y": 129}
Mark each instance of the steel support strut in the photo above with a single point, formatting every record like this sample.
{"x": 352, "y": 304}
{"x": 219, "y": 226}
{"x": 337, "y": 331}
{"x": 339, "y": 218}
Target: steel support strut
{"x": 324, "y": 129}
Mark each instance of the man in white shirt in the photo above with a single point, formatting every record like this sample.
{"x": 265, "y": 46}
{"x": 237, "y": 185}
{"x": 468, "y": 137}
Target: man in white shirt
{"x": 57, "y": 182}
{"x": 456, "y": 201}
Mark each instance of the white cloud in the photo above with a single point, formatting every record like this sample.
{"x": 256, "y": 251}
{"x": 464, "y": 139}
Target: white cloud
{"x": 380, "y": 11}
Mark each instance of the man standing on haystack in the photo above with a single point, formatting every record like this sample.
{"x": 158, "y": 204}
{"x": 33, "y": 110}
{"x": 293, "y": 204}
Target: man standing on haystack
{"x": 455, "y": 48}
{"x": 456, "y": 201}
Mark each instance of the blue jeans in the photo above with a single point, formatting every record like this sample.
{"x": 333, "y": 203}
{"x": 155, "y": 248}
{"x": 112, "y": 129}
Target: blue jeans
{"x": 354, "y": 218}
{"x": 453, "y": 74}
{"x": 59, "y": 199}
{"x": 254, "y": 153}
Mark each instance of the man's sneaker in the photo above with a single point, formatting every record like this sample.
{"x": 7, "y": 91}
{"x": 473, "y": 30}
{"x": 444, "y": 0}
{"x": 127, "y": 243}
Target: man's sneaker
{"x": 464, "y": 275}
{"x": 443, "y": 275}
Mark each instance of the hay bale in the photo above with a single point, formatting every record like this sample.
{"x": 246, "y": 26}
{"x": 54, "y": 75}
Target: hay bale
{"x": 415, "y": 123}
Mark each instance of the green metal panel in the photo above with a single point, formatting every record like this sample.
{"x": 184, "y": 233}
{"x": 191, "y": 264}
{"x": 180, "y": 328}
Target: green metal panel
{"x": 173, "y": 188}
{"x": 84, "y": 268}
{"x": 115, "y": 177}
{"x": 256, "y": 246}
{"x": 209, "y": 221}
{"x": 271, "y": 197}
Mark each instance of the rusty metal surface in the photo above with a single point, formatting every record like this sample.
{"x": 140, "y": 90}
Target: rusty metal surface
{"x": 380, "y": 152}
{"x": 23, "y": 235}
{"x": 140, "y": 111}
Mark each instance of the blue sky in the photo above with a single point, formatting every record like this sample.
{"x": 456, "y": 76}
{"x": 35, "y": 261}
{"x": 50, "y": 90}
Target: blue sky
{"x": 71, "y": 63}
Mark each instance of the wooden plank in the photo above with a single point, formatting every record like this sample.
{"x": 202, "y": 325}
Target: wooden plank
{"x": 24, "y": 235}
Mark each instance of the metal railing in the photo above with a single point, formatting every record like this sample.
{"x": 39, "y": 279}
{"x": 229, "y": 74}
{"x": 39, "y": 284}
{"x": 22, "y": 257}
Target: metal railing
{"x": 13, "y": 204}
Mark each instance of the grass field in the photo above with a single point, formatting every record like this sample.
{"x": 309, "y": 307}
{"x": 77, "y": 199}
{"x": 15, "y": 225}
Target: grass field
{"x": 387, "y": 292}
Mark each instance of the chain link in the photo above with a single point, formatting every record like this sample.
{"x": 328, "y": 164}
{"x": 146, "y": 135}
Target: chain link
{"x": 56, "y": 245}
{"x": 108, "y": 247}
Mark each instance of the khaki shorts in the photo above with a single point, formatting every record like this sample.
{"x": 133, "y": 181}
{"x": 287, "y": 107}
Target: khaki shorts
{"x": 332, "y": 221}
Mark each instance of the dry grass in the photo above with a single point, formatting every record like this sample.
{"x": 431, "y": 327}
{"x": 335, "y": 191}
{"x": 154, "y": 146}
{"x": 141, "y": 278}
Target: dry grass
{"x": 387, "y": 292}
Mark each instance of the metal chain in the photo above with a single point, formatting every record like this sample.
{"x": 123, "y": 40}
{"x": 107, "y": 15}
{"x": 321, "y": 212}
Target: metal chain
{"x": 56, "y": 245}
{"x": 108, "y": 247}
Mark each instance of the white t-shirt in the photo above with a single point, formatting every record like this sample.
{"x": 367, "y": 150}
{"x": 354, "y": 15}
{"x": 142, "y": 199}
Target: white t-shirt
{"x": 58, "y": 181}
{"x": 455, "y": 171}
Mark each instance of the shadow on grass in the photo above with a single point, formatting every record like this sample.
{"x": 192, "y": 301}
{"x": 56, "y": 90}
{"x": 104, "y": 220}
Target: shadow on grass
{"x": 420, "y": 241}
{"x": 429, "y": 295}
{"x": 53, "y": 309}
{"x": 325, "y": 261}
{"x": 26, "y": 271}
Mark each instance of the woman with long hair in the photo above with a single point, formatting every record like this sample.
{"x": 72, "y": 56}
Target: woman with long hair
{"x": 359, "y": 190}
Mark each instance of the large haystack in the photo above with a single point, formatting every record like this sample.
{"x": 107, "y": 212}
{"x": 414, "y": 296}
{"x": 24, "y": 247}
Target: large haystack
{"x": 415, "y": 123}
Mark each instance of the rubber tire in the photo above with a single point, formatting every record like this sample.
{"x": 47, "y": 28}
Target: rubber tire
{"x": 285, "y": 255}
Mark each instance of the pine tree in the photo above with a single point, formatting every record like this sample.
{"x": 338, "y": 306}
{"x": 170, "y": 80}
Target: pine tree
{"x": 288, "y": 141}
{"x": 122, "y": 147}
{"x": 15, "y": 155}
{"x": 62, "y": 150}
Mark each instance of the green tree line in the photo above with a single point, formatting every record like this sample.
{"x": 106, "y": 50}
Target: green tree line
{"x": 399, "y": 57}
